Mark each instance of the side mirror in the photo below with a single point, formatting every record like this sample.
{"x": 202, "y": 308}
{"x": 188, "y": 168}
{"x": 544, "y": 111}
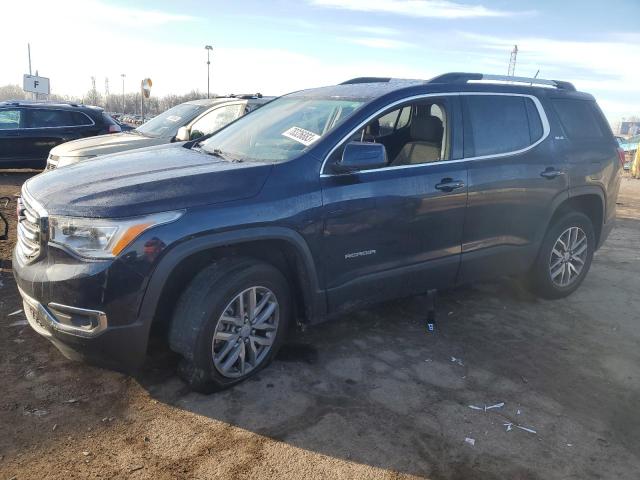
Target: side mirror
{"x": 183, "y": 134}
{"x": 361, "y": 156}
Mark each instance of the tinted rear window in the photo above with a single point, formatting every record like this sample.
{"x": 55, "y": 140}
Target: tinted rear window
{"x": 578, "y": 118}
{"x": 497, "y": 124}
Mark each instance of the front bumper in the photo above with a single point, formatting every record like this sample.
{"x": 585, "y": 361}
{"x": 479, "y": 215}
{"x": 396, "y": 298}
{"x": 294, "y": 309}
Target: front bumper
{"x": 55, "y": 303}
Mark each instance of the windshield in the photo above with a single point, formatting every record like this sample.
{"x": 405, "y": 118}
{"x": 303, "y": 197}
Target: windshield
{"x": 280, "y": 130}
{"x": 167, "y": 124}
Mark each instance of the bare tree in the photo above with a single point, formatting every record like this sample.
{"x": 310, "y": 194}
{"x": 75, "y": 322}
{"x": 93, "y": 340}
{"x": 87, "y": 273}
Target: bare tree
{"x": 12, "y": 92}
{"x": 112, "y": 102}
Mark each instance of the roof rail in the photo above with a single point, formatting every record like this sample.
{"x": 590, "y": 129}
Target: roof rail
{"x": 43, "y": 102}
{"x": 244, "y": 95}
{"x": 461, "y": 77}
{"x": 366, "y": 80}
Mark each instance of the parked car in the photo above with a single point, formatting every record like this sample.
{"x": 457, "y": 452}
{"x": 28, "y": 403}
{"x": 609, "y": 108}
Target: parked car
{"x": 629, "y": 146}
{"x": 180, "y": 123}
{"x": 321, "y": 201}
{"x": 29, "y": 130}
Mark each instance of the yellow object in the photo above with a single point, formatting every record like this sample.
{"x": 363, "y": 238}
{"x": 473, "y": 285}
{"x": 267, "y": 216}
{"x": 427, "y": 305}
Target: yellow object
{"x": 635, "y": 165}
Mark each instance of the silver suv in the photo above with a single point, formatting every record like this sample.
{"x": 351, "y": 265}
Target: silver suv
{"x": 183, "y": 122}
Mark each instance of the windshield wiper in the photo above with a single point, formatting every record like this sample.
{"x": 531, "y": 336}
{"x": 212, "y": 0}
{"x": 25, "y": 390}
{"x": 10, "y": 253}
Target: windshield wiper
{"x": 216, "y": 152}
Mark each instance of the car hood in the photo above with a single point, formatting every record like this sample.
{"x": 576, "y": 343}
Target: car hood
{"x": 146, "y": 181}
{"x": 104, "y": 144}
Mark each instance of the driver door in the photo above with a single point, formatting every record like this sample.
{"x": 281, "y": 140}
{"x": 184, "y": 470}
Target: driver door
{"x": 396, "y": 231}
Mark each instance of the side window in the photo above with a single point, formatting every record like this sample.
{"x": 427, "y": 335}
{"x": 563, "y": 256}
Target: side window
{"x": 47, "y": 118}
{"x": 215, "y": 120}
{"x": 577, "y": 118}
{"x": 425, "y": 140}
{"x": 495, "y": 124}
{"x": 405, "y": 116}
{"x": 10, "y": 119}
{"x": 388, "y": 122}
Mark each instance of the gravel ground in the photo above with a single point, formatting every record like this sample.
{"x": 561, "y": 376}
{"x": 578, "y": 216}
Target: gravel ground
{"x": 369, "y": 395}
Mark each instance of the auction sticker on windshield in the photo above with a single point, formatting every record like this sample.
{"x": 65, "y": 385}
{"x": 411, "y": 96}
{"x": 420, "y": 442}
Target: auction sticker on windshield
{"x": 301, "y": 135}
{"x": 174, "y": 118}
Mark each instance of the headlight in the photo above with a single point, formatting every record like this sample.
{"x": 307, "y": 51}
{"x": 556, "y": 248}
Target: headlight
{"x": 103, "y": 237}
{"x": 64, "y": 161}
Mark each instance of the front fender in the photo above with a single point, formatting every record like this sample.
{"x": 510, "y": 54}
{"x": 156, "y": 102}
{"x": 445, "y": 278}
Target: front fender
{"x": 314, "y": 297}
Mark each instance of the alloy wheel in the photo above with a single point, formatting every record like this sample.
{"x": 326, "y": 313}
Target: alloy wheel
{"x": 568, "y": 256}
{"x": 245, "y": 332}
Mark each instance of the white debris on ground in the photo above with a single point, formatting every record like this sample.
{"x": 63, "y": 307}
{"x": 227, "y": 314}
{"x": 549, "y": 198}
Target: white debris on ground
{"x": 14, "y": 313}
{"x": 487, "y": 407}
{"x": 457, "y": 361}
{"x": 509, "y": 426}
{"x": 470, "y": 441}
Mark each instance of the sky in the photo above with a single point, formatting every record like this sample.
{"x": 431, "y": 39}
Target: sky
{"x": 278, "y": 46}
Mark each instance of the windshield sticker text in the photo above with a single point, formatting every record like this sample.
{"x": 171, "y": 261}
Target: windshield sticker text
{"x": 301, "y": 135}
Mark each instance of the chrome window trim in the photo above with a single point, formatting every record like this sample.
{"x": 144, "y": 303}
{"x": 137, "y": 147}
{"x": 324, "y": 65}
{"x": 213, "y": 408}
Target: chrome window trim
{"x": 546, "y": 129}
{"x": 92, "y": 124}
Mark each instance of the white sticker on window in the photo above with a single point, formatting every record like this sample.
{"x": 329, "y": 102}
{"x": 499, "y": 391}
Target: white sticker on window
{"x": 301, "y": 135}
{"x": 173, "y": 118}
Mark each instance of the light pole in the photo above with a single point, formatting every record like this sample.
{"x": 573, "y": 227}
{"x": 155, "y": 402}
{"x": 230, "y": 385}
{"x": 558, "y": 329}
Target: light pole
{"x": 122, "y": 75}
{"x": 208, "y": 48}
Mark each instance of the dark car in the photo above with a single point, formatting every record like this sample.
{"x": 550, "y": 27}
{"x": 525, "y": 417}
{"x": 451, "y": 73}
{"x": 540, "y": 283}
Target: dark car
{"x": 183, "y": 122}
{"x": 29, "y": 130}
{"x": 321, "y": 201}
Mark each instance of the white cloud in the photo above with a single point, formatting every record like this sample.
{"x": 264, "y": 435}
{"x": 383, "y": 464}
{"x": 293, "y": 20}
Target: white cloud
{"x": 416, "y": 8}
{"x": 377, "y": 42}
{"x": 56, "y": 34}
{"x": 606, "y": 68}
{"x": 385, "y": 31}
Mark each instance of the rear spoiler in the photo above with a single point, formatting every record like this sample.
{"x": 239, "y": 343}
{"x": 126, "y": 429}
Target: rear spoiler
{"x": 4, "y": 223}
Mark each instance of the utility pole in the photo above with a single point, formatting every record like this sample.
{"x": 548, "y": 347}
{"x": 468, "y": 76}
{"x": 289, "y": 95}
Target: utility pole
{"x": 106, "y": 93}
{"x": 512, "y": 61}
{"x": 122, "y": 75}
{"x": 29, "y": 53}
{"x": 208, "y": 48}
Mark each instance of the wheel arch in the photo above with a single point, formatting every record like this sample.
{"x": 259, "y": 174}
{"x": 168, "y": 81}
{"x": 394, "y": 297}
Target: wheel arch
{"x": 589, "y": 200}
{"x": 280, "y": 246}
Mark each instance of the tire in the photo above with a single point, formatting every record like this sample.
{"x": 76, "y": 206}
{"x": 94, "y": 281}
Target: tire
{"x": 552, "y": 283}
{"x": 216, "y": 291}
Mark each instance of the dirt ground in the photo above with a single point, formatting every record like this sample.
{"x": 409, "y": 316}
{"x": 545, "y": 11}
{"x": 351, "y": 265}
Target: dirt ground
{"x": 370, "y": 395}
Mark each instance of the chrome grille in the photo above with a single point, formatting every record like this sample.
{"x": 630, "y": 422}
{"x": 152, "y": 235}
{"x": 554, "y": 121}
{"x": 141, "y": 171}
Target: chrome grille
{"x": 31, "y": 230}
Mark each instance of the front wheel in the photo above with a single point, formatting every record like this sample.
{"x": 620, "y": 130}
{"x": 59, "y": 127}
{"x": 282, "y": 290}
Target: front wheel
{"x": 242, "y": 309}
{"x": 565, "y": 256}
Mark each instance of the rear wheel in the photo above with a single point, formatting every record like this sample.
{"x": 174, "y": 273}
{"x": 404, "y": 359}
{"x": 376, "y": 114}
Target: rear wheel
{"x": 565, "y": 256}
{"x": 242, "y": 309}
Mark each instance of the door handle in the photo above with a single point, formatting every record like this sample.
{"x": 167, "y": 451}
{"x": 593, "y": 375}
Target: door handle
{"x": 449, "y": 185}
{"x": 551, "y": 172}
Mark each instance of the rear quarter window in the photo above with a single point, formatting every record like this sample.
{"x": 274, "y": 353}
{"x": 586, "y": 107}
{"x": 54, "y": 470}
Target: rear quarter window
{"x": 80, "y": 118}
{"x": 497, "y": 124}
{"x": 578, "y": 118}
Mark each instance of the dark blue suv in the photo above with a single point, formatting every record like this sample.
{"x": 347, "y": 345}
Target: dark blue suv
{"x": 321, "y": 201}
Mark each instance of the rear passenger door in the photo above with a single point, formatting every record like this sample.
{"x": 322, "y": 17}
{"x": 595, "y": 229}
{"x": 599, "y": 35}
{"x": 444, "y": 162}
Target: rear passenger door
{"x": 48, "y": 127}
{"x": 515, "y": 179}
